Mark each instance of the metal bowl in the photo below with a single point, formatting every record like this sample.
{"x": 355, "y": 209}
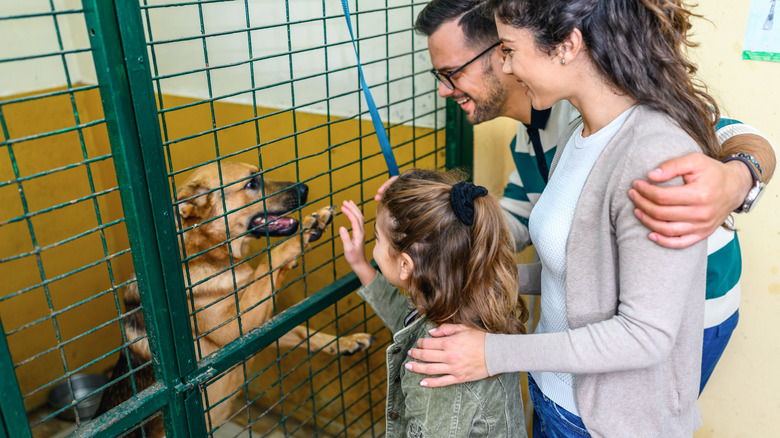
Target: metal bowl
{"x": 83, "y": 384}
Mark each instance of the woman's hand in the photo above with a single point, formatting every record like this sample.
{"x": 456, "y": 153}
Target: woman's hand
{"x": 355, "y": 245}
{"x": 457, "y": 352}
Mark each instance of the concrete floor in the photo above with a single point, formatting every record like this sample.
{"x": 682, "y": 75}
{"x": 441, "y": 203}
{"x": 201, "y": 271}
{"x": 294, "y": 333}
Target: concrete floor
{"x": 237, "y": 428}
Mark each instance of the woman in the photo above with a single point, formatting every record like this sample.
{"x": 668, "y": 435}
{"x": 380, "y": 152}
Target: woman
{"x": 617, "y": 351}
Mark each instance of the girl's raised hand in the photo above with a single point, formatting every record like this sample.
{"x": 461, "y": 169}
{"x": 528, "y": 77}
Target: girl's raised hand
{"x": 355, "y": 244}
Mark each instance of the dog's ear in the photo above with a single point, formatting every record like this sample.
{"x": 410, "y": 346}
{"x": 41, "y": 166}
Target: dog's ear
{"x": 195, "y": 203}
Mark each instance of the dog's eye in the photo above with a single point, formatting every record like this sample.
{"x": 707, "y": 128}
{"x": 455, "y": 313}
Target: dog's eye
{"x": 252, "y": 184}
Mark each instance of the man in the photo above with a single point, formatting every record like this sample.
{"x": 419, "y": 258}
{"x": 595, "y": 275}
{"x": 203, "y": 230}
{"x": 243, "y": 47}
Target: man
{"x": 467, "y": 62}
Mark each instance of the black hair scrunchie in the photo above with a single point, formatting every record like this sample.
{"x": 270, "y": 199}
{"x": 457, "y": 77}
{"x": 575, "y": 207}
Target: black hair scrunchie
{"x": 462, "y": 198}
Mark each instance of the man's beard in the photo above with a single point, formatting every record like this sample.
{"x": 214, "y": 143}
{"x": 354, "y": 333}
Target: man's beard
{"x": 493, "y": 104}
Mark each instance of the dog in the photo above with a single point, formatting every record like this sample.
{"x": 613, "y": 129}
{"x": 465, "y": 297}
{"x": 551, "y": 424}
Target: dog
{"x": 218, "y": 242}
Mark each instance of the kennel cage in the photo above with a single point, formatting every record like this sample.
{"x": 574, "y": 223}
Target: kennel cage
{"x": 106, "y": 107}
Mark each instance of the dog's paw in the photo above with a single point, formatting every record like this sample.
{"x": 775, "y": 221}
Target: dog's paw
{"x": 348, "y": 345}
{"x": 314, "y": 225}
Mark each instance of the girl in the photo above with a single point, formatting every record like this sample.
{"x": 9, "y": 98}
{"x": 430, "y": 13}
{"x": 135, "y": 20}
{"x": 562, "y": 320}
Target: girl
{"x": 617, "y": 351}
{"x": 446, "y": 243}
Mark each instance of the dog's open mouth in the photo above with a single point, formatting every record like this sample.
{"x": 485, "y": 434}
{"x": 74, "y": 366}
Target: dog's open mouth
{"x": 272, "y": 225}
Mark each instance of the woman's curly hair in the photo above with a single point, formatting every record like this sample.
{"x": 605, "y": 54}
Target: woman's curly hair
{"x": 638, "y": 45}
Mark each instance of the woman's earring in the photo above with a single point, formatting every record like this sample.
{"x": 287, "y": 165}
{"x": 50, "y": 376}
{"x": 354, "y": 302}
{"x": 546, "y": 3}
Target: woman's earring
{"x": 563, "y": 61}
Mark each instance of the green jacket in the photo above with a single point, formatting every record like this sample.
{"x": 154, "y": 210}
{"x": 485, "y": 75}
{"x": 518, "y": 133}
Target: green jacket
{"x": 485, "y": 408}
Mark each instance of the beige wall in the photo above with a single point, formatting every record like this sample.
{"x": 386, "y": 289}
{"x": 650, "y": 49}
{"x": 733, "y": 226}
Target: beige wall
{"x": 741, "y": 399}
{"x": 492, "y": 160}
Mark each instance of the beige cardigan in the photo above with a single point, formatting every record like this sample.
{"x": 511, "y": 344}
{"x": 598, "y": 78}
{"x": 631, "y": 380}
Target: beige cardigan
{"x": 635, "y": 308}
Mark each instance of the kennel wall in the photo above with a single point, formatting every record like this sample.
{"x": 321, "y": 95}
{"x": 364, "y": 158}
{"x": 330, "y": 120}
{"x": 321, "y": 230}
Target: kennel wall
{"x": 105, "y": 108}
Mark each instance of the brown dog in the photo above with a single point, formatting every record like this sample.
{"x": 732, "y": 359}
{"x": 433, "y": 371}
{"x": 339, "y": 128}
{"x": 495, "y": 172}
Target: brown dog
{"x": 219, "y": 243}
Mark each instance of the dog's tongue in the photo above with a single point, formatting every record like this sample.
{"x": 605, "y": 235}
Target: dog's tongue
{"x": 273, "y": 223}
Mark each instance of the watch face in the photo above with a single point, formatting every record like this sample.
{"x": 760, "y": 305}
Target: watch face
{"x": 752, "y": 197}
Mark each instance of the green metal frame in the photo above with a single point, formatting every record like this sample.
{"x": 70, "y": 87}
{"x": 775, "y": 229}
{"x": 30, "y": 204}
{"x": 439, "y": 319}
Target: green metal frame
{"x": 460, "y": 139}
{"x": 138, "y": 145}
{"x": 13, "y": 422}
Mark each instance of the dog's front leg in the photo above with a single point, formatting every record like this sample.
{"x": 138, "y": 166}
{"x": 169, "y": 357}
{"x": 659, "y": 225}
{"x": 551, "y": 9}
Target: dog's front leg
{"x": 301, "y": 337}
{"x": 266, "y": 278}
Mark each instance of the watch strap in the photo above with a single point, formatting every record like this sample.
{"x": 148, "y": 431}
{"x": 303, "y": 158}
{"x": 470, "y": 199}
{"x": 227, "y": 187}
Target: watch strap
{"x": 756, "y": 179}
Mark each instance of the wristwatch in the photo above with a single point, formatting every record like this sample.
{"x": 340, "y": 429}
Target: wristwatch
{"x": 758, "y": 188}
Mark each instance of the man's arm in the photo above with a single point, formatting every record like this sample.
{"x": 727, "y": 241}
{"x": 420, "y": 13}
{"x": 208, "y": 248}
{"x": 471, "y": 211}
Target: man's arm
{"x": 756, "y": 146}
{"x": 682, "y": 216}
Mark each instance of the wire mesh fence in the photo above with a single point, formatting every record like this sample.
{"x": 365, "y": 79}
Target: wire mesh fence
{"x": 65, "y": 253}
{"x": 167, "y": 174}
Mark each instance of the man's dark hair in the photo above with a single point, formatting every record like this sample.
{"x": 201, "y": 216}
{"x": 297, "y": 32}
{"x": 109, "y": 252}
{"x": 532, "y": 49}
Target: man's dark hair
{"x": 476, "y": 20}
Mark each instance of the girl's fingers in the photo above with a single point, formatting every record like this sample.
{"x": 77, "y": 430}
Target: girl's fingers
{"x": 345, "y": 239}
{"x": 352, "y": 212}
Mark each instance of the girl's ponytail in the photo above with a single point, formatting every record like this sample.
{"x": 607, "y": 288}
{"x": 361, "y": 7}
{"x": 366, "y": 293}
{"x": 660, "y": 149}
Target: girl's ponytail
{"x": 464, "y": 271}
{"x": 492, "y": 273}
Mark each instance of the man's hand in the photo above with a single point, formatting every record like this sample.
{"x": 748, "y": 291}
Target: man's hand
{"x": 683, "y": 215}
{"x": 383, "y": 187}
{"x": 456, "y": 352}
{"x": 354, "y": 246}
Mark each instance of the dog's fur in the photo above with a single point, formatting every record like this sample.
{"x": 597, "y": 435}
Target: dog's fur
{"x": 222, "y": 240}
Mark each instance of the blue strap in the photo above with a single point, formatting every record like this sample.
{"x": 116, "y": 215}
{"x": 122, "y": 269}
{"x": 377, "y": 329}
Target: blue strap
{"x": 539, "y": 121}
{"x": 384, "y": 142}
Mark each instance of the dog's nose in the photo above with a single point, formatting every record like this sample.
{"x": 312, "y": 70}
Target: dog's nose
{"x": 303, "y": 192}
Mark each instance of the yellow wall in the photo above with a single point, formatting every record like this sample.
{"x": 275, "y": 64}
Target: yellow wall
{"x": 741, "y": 399}
{"x": 492, "y": 161}
{"x": 49, "y": 114}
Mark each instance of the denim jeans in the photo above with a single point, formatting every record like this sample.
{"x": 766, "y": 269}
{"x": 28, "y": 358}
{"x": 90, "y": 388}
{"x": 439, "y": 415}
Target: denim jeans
{"x": 551, "y": 420}
{"x": 715, "y": 341}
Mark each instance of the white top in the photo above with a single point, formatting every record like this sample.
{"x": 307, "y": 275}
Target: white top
{"x": 549, "y": 226}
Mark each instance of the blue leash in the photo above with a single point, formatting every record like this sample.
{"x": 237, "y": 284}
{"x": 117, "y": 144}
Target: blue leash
{"x": 384, "y": 142}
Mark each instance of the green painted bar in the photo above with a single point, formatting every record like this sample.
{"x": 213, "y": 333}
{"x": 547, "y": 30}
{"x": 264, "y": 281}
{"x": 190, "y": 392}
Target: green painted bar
{"x": 460, "y": 138}
{"x": 126, "y": 415}
{"x": 12, "y": 414}
{"x": 130, "y": 110}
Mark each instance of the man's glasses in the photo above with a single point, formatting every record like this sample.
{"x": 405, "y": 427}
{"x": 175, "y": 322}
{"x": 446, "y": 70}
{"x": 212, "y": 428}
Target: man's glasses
{"x": 446, "y": 78}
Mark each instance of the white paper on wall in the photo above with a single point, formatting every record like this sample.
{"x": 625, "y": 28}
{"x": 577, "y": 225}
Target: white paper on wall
{"x": 762, "y": 36}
